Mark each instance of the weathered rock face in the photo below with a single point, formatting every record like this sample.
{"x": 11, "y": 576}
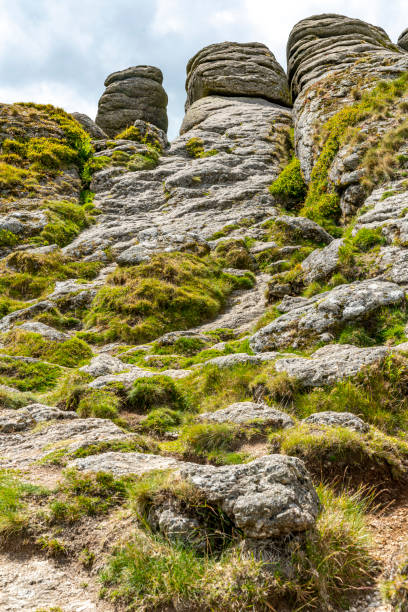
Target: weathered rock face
{"x": 188, "y": 198}
{"x": 237, "y": 69}
{"x": 322, "y": 262}
{"x": 323, "y": 314}
{"x": 247, "y": 413}
{"x": 332, "y": 61}
{"x": 132, "y": 94}
{"x": 329, "y": 42}
{"x": 403, "y": 39}
{"x": 330, "y": 363}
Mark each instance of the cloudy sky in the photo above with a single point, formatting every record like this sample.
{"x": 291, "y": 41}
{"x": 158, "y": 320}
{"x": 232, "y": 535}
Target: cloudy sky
{"x": 60, "y": 51}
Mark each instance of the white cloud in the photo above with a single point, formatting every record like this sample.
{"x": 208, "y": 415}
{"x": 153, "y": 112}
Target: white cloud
{"x": 49, "y": 93}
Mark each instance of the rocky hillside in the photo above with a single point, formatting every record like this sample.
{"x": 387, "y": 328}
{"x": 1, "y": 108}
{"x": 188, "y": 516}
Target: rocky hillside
{"x": 204, "y": 344}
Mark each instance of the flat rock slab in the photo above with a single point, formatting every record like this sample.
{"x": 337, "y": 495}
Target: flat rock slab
{"x": 317, "y": 317}
{"x": 330, "y": 363}
{"x": 103, "y": 365}
{"x": 22, "y": 449}
{"x": 338, "y": 419}
{"x": 32, "y": 584}
{"x": 44, "y": 330}
{"x": 24, "y": 418}
{"x": 247, "y": 413}
{"x": 122, "y": 464}
{"x": 268, "y": 497}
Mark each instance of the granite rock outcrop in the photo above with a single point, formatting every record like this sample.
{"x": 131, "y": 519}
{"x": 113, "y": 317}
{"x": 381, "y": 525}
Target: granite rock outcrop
{"x": 135, "y": 93}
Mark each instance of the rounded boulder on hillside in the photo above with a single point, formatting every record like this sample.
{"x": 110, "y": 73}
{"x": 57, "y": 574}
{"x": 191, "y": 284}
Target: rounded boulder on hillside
{"x": 130, "y": 95}
{"x": 329, "y": 42}
{"x": 236, "y": 69}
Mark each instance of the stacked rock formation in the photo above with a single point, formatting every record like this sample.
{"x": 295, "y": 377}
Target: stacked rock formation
{"x": 132, "y": 94}
{"x": 337, "y": 58}
{"x": 236, "y": 69}
{"x": 207, "y": 172}
{"x": 329, "y": 42}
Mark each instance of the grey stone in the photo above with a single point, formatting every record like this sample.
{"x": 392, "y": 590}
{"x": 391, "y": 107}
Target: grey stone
{"x": 269, "y": 497}
{"x": 104, "y": 364}
{"x": 15, "y": 420}
{"x": 132, "y": 94}
{"x": 238, "y": 69}
{"x": 403, "y": 39}
{"x": 326, "y": 312}
{"x": 133, "y": 255}
{"x": 191, "y": 199}
{"x": 132, "y": 373}
{"x": 338, "y": 419}
{"x": 25, "y": 313}
{"x": 322, "y": 262}
{"x": 178, "y": 527}
{"x": 330, "y": 363}
{"x": 327, "y": 42}
{"x": 44, "y": 330}
{"x": 306, "y": 228}
{"x": 23, "y": 448}
{"x": 171, "y": 337}
{"x": 247, "y": 413}
{"x": 390, "y": 213}
{"x": 122, "y": 464}
{"x": 27, "y": 222}
{"x": 89, "y": 126}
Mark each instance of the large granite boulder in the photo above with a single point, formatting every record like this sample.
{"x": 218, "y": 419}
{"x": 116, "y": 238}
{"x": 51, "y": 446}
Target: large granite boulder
{"x": 269, "y": 497}
{"x": 238, "y": 69}
{"x": 403, "y": 39}
{"x": 319, "y": 317}
{"x": 329, "y": 42}
{"x": 132, "y": 94}
{"x": 330, "y": 363}
{"x": 89, "y": 126}
{"x": 266, "y": 498}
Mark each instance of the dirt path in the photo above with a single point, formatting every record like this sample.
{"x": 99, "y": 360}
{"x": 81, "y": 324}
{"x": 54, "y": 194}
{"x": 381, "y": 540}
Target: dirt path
{"x": 390, "y": 539}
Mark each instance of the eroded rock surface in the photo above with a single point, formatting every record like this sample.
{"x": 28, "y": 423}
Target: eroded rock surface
{"x": 268, "y": 497}
{"x": 325, "y": 312}
{"x": 403, "y": 39}
{"x": 330, "y": 363}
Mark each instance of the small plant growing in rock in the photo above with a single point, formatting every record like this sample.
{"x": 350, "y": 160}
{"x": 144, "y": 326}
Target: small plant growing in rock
{"x": 290, "y": 188}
